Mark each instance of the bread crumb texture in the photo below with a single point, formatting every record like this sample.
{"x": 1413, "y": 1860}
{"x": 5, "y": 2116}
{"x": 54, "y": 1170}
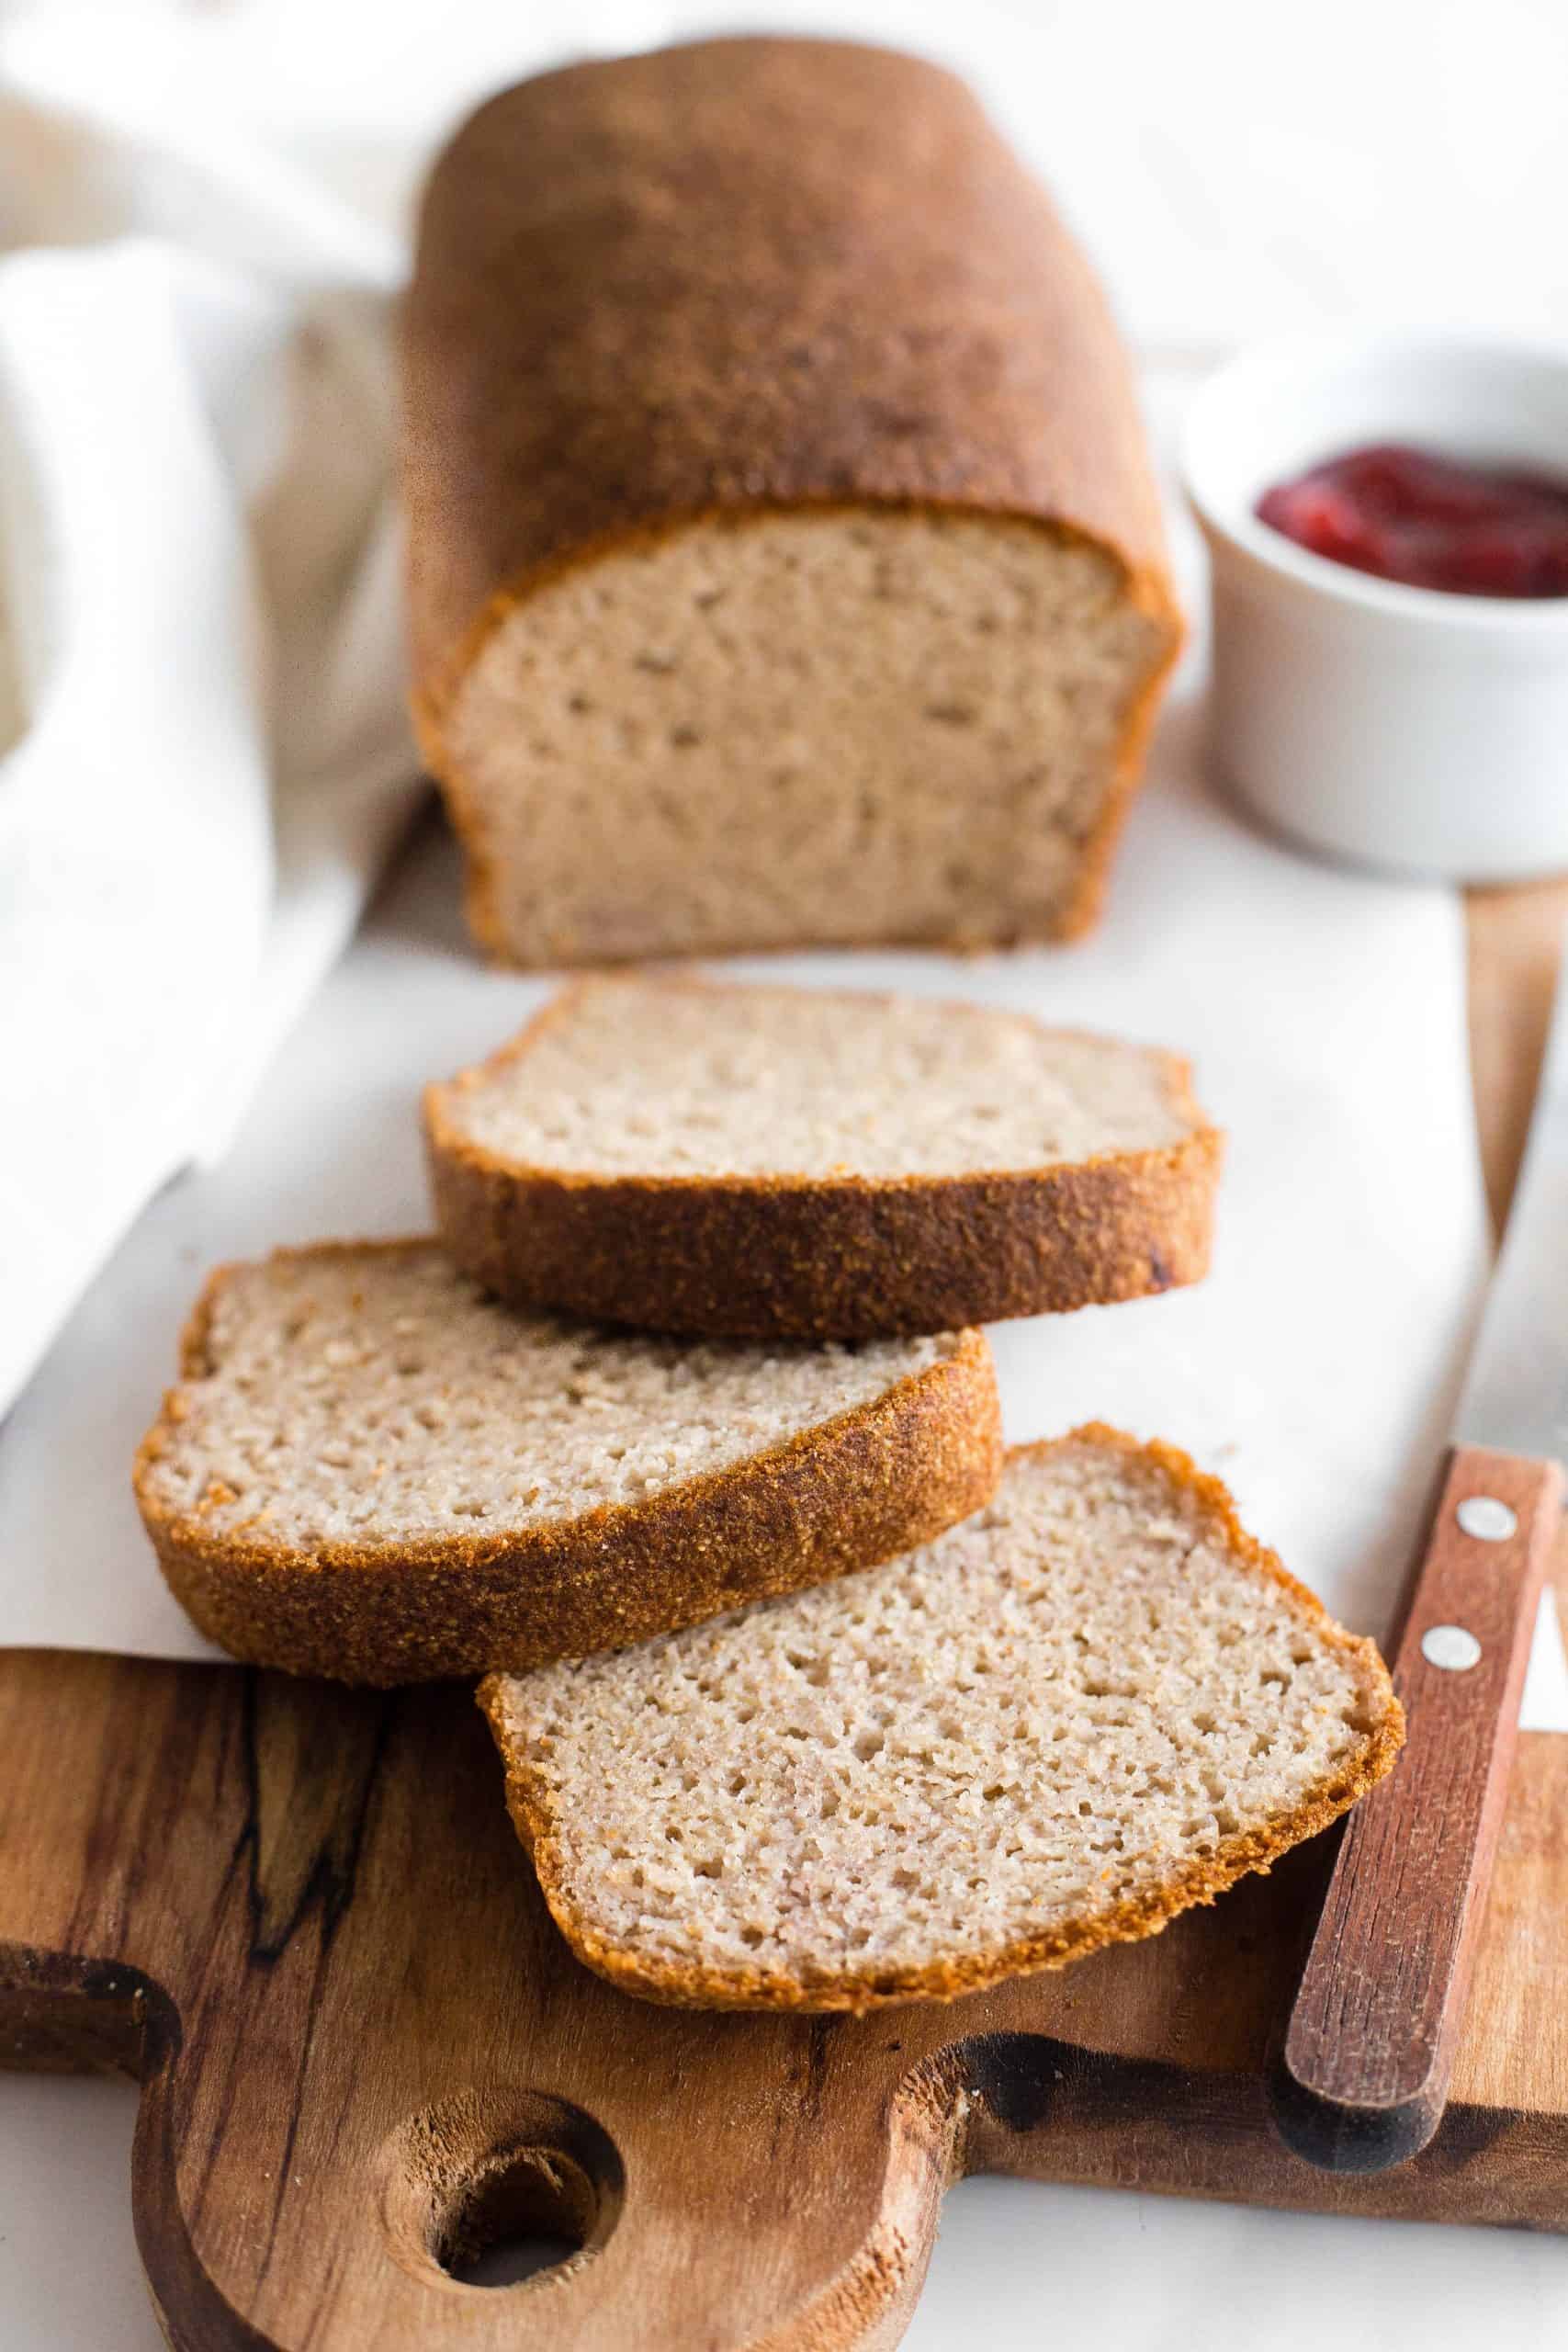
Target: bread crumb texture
{"x": 650, "y": 1078}
{"x": 1093, "y": 1703}
{"x": 823, "y": 727}
{"x": 379, "y": 1398}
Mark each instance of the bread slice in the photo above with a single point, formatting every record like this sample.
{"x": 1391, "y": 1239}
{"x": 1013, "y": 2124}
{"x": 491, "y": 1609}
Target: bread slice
{"x": 772, "y": 1162}
{"x": 371, "y": 1471}
{"x": 1095, "y": 1703}
{"x": 786, "y": 563}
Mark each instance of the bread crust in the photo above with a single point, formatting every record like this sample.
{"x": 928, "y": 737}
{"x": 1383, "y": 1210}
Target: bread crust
{"x": 737, "y": 278}
{"x": 831, "y": 1258}
{"x": 852, "y": 1491}
{"x": 697, "y": 1987}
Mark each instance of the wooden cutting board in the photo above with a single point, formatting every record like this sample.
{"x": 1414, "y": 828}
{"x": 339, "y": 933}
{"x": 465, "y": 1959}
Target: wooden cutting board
{"x": 300, "y": 1917}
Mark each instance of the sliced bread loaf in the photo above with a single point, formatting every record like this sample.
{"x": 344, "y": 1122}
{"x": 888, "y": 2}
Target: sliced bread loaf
{"x": 771, "y": 1163}
{"x": 371, "y": 1471}
{"x": 1095, "y": 1703}
{"x": 785, "y": 559}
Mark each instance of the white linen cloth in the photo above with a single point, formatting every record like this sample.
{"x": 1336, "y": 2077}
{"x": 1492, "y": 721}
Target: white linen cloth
{"x": 208, "y": 757}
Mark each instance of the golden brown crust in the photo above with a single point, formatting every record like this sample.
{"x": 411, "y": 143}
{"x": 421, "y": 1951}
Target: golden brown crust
{"x": 1146, "y": 1915}
{"x": 846, "y": 1258}
{"x": 867, "y": 302}
{"x": 860, "y": 1488}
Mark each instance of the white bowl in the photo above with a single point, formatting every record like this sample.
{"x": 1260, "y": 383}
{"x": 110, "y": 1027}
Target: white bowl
{"x": 1403, "y": 726}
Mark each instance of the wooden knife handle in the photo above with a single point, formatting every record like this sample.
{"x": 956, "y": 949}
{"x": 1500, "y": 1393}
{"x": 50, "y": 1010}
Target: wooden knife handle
{"x": 1363, "y": 2075}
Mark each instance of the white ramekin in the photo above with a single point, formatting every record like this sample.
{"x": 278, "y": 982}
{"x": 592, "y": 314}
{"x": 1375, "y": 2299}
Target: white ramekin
{"x": 1412, "y": 730}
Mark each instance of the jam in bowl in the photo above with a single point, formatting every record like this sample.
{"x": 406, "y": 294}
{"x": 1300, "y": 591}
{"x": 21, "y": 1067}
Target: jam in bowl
{"x": 1403, "y": 703}
{"x": 1408, "y": 514}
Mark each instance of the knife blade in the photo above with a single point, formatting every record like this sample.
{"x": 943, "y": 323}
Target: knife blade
{"x": 1362, "y": 2078}
{"x": 1515, "y": 1397}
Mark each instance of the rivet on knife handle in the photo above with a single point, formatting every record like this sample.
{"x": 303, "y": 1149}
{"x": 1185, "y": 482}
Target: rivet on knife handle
{"x": 1364, "y": 2073}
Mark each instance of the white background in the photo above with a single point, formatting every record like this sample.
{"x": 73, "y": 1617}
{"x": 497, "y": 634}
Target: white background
{"x": 1235, "y": 166}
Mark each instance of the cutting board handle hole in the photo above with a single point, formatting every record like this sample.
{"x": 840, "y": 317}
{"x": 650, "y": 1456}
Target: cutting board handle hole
{"x": 525, "y": 2210}
{"x": 496, "y": 2189}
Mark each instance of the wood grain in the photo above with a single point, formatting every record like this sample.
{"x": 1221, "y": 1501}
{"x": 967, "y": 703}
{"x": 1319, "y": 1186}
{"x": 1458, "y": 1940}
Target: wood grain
{"x": 299, "y": 1917}
{"x": 1370, "y": 2047}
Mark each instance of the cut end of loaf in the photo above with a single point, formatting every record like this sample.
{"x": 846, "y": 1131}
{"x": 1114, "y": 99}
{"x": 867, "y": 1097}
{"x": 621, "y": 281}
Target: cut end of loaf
{"x": 828, "y": 727}
{"x": 1094, "y": 1704}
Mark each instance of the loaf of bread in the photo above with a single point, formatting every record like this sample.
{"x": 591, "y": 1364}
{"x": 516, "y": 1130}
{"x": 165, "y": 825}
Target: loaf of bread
{"x": 370, "y": 1470}
{"x": 772, "y": 1162}
{"x": 1095, "y": 1703}
{"x": 784, "y": 562}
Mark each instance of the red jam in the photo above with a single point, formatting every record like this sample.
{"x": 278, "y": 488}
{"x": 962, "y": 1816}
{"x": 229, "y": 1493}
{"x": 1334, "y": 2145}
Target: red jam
{"x": 1405, "y": 514}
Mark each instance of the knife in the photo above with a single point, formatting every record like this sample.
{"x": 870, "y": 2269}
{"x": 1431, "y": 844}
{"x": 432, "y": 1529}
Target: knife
{"x": 1364, "y": 2073}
